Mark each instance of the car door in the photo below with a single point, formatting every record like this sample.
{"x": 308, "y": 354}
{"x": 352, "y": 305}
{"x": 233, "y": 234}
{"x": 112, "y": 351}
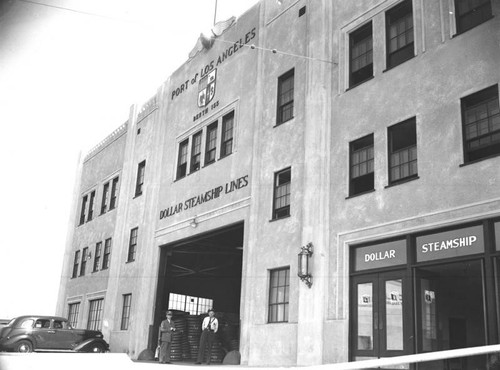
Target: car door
{"x": 43, "y": 334}
{"x": 63, "y": 337}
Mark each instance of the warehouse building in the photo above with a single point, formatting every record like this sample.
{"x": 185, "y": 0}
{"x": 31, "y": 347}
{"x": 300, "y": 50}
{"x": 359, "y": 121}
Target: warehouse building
{"x": 324, "y": 174}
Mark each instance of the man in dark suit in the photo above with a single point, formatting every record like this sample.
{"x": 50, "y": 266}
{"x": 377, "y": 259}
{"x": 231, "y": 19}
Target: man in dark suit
{"x": 165, "y": 338}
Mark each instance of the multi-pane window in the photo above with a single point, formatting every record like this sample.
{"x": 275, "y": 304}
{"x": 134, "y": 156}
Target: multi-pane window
{"x": 95, "y": 314}
{"x": 97, "y": 256}
{"x": 211, "y": 145}
{"x": 83, "y": 211}
{"x": 127, "y": 302}
{"x": 361, "y": 165}
{"x": 132, "y": 246}
{"x": 402, "y": 151}
{"x": 73, "y": 311}
{"x": 481, "y": 124}
{"x": 107, "y": 254}
{"x": 76, "y": 263}
{"x": 282, "y": 189}
{"x": 83, "y": 265}
{"x": 399, "y": 22}
{"x": 361, "y": 42}
{"x": 91, "y": 206}
{"x": 279, "y": 288}
{"x": 193, "y": 305}
{"x": 114, "y": 192}
{"x": 285, "y": 97}
{"x": 182, "y": 159}
{"x": 105, "y": 198}
{"x": 470, "y": 13}
{"x": 196, "y": 152}
{"x": 227, "y": 134}
{"x": 141, "y": 169}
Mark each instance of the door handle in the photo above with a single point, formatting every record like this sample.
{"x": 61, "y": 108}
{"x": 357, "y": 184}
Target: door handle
{"x": 375, "y": 320}
{"x": 51, "y": 331}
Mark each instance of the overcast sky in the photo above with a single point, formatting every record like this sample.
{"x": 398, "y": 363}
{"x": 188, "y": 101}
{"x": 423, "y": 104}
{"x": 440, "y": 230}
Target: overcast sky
{"x": 67, "y": 79}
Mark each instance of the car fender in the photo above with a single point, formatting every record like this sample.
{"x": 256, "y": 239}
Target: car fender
{"x": 10, "y": 343}
{"x": 83, "y": 346}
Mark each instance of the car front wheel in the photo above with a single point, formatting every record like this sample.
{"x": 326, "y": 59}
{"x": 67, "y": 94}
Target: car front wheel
{"x": 96, "y": 348}
{"x": 24, "y": 346}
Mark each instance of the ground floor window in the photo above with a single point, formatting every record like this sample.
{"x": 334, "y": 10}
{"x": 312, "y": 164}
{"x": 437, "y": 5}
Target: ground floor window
{"x": 95, "y": 314}
{"x": 186, "y": 303}
{"x": 73, "y": 310}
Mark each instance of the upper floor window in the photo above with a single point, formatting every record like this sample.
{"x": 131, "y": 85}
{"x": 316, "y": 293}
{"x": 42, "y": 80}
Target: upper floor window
{"x": 182, "y": 159}
{"x": 83, "y": 211}
{"x": 285, "y": 97}
{"x": 227, "y": 134}
{"x": 282, "y": 190}
{"x": 361, "y": 167}
{"x": 107, "y": 254}
{"x": 73, "y": 311}
{"x": 97, "y": 256}
{"x": 196, "y": 152}
{"x": 211, "y": 145}
{"x": 141, "y": 169}
{"x": 105, "y": 198}
{"x": 114, "y": 193}
{"x": 361, "y": 58}
{"x": 399, "y": 33}
{"x": 402, "y": 151}
{"x": 132, "y": 246}
{"x": 279, "y": 294}
{"x": 83, "y": 265}
{"x": 481, "y": 124}
{"x": 470, "y": 13}
{"x": 91, "y": 206}
{"x": 127, "y": 302}
{"x": 76, "y": 263}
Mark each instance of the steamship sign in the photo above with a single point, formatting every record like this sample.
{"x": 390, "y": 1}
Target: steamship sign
{"x": 206, "y": 89}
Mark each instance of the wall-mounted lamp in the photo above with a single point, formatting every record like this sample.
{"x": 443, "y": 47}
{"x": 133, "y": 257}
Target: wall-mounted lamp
{"x": 89, "y": 255}
{"x": 304, "y": 257}
{"x": 193, "y": 223}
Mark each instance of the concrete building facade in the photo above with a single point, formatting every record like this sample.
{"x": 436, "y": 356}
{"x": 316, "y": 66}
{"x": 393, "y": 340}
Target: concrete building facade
{"x": 369, "y": 130}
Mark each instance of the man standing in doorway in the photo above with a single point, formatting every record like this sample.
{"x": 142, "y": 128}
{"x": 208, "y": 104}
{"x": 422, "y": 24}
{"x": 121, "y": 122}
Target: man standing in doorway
{"x": 209, "y": 327}
{"x": 165, "y": 338}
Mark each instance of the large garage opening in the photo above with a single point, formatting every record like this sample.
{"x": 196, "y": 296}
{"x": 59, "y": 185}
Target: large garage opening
{"x": 197, "y": 274}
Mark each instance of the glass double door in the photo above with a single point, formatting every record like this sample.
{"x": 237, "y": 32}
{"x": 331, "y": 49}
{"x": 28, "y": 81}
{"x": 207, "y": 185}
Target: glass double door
{"x": 381, "y": 314}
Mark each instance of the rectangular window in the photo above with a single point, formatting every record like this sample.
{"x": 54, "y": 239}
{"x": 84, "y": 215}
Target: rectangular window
{"x": 127, "y": 301}
{"x": 91, "y": 206}
{"x": 76, "y": 263}
{"x": 132, "y": 244}
{"x": 285, "y": 97}
{"x": 193, "y": 305}
{"x": 95, "y": 314}
{"x": 279, "y": 295}
{"x": 83, "y": 265}
{"x": 470, "y": 13}
{"x": 402, "y": 151}
{"x": 196, "y": 152}
{"x": 105, "y": 198}
{"x": 481, "y": 124}
{"x": 141, "y": 169}
{"x": 114, "y": 193}
{"x": 361, "y": 167}
{"x": 97, "y": 256}
{"x": 282, "y": 190}
{"x": 399, "y": 33}
{"x": 84, "y": 209}
{"x": 182, "y": 159}
{"x": 361, "y": 42}
{"x": 107, "y": 254}
{"x": 73, "y": 310}
{"x": 211, "y": 145}
{"x": 227, "y": 134}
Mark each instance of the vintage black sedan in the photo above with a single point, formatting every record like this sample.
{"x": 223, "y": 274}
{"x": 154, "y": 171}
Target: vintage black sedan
{"x": 49, "y": 333}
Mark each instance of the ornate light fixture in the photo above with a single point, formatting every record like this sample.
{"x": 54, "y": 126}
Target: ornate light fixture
{"x": 304, "y": 257}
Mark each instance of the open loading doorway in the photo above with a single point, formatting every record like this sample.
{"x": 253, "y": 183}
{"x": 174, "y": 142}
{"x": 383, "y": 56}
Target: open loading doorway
{"x": 196, "y": 274}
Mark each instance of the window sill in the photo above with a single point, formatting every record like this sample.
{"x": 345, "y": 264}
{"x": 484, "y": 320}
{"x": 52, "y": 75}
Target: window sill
{"x": 282, "y": 123}
{"x": 279, "y": 218}
{"x": 397, "y": 65}
{"x": 225, "y": 156}
{"x": 359, "y": 194}
{"x": 403, "y": 181}
{"x": 137, "y": 196}
{"x": 208, "y": 164}
{"x": 130, "y": 261}
{"x": 479, "y": 160}
{"x": 477, "y": 25}
{"x": 359, "y": 83}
